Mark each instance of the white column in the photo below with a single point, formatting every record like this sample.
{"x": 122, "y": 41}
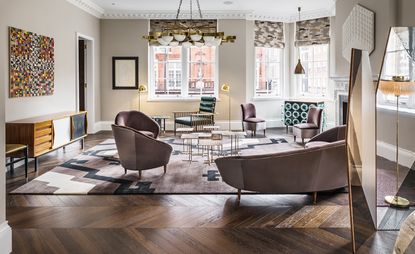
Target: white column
{"x": 5, "y": 230}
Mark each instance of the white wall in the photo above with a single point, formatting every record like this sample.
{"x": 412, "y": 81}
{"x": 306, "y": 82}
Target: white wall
{"x": 235, "y": 61}
{"x": 5, "y": 234}
{"x": 60, "y": 20}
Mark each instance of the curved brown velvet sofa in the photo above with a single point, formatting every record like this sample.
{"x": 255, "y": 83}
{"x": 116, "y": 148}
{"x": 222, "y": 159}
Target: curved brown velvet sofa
{"x": 321, "y": 166}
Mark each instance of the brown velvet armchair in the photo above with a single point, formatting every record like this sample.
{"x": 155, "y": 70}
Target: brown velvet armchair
{"x": 249, "y": 120}
{"x": 311, "y": 127}
{"x": 139, "y": 122}
{"x": 321, "y": 166}
{"x": 138, "y": 151}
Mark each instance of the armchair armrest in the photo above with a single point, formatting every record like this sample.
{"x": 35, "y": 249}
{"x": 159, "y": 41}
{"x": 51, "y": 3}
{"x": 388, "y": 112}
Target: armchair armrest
{"x": 183, "y": 113}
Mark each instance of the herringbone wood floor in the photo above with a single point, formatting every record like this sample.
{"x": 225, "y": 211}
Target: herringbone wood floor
{"x": 178, "y": 223}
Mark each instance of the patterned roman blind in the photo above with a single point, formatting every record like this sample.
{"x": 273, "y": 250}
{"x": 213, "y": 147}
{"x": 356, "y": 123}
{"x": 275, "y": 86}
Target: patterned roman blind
{"x": 269, "y": 34}
{"x": 313, "y": 31}
{"x": 203, "y": 25}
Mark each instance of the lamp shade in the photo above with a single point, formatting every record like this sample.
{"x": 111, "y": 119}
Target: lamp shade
{"x": 398, "y": 86}
{"x": 225, "y": 88}
{"x": 142, "y": 88}
{"x": 299, "y": 68}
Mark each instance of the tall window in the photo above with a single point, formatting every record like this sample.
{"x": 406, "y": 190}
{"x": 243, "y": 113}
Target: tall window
{"x": 178, "y": 72}
{"x": 314, "y": 59}
{"x": 268, "y": 71}
{"x": 397, "y": 63}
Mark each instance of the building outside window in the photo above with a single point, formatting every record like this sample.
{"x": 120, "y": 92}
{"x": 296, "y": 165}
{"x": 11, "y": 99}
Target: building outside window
{"x": 315, "y": 59}
{"x": 178, "y": 72}
{"x": 268, "y": 72}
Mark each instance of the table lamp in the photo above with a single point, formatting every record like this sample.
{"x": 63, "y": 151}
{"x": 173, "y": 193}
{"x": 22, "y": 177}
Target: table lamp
{"x": 227, "y": 89}
{"x": 398, "y": 86}
{"x": 141, "y": 89}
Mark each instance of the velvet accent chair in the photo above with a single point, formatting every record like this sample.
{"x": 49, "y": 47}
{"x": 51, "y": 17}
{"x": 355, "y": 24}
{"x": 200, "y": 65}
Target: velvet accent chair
{"x": 197, "y": 119}
{"x": 311, "y": 127}
{"x": 249, "y": 120}
{"x": 139, "y": 122}
{"x": 138, "y": 151}
{"x": 320, "y": 166}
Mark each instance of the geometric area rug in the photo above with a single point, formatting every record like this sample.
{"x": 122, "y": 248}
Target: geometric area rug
{"x": 98, "y": 171}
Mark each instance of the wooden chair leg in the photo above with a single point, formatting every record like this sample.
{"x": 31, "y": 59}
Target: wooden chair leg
{"x": 125, "y": 171}
{"x": 165, "y": 169}
{"x": 315, "y": 197}
{"x": 264, "y": 132}
{"x": 239, "y": 195}
{"x": 302, "y": 140}
{"x": 139, "y": 174}
{"x": 295, "y": 138}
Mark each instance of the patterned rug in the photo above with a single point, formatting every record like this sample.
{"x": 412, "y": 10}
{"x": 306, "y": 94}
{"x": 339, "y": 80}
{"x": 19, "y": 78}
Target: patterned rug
{"x": 98, "y": 171}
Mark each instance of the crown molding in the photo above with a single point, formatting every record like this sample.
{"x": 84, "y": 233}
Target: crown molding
{"x": 99, "y": 12}
{"x": 89, "y": 7}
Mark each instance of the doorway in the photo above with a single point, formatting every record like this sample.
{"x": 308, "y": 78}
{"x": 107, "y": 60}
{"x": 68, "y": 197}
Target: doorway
{"x": 82, "y": 74}
{"x": 85, "y": 87}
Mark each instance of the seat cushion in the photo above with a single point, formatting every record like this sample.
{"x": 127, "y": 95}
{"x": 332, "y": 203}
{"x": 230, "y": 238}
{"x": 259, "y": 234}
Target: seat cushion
{"x": 306, "y": 126}
{"x": 147, "y": 133}
{"x": 190, "y": 121}
{"x": 254, "y": 120}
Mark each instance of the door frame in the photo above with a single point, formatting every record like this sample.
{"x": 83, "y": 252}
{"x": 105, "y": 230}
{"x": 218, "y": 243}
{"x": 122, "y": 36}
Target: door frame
{"x": 90, "y": 104}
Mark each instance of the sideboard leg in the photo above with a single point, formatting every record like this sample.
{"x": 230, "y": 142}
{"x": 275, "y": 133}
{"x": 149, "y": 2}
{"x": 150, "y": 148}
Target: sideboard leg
{"x": 36, "y": 164}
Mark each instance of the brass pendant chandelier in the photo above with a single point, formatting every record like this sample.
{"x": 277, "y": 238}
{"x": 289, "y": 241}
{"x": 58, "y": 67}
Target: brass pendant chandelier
{"x": 187, "y": 33}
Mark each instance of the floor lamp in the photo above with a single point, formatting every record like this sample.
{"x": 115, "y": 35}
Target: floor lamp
{"x": 398, "y": 86}
{"x": 227, "y": 89}
{"x": 141, "y": 89}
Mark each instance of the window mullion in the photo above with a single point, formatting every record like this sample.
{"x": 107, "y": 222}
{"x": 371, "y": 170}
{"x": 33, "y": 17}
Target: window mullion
{"x": 185, "y": 72}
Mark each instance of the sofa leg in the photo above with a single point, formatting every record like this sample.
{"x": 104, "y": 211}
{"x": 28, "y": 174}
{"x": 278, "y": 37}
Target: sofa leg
{"x": 239, "y": 195}
{"x": 254, "y": 133}
{"x": 165, "y": 169}
{"x": 315, "y": 197}
{"x": 125, "y": 171}
{"x": 264, "y": 132}
{"x": 139, "y": 174}
{"x": 302, "y": 140}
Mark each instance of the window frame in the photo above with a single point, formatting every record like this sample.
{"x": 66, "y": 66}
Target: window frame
{"x": 299, "y": 79}
{"x": 185, "y": 64}
{"x": 282, "y": 77}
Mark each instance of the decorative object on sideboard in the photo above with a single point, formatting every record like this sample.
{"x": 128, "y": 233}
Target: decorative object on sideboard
{"x": 227, "y": 89}
{"x": 31, "y": 64}
{"x": 358, "y": 31}
{"x": 141, "y": 89}
{"x": 398, "y": 86}
{"x": 186, "y": 32}
{"x": 125, "y": 72}
{"x": 299, "y": 67}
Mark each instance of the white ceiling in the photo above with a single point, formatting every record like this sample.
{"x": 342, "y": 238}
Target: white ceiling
{"x": 284, "y": 10}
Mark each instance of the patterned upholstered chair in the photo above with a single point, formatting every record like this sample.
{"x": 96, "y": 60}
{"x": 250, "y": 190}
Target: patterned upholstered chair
{"x": 311, "y": 127}
{"x": 249, "y": 120}
{"x": 197, "y": 119}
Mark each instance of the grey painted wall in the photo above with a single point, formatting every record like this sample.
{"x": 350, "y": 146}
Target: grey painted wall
{"x": 61, "y": 20}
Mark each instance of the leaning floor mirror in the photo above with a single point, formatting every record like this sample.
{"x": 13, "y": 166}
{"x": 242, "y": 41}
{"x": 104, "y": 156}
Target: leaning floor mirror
{"x": 395, "y": 130}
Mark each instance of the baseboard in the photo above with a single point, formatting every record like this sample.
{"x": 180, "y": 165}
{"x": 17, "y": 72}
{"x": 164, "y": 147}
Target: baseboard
{"x": 388, "y": 151}
{"x": 5, "y": 238}
{"x": 235, "y": 124}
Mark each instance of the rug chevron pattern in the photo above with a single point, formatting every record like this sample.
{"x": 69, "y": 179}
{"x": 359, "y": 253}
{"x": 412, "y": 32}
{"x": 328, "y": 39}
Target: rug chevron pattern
{"x": 98, "y": 171}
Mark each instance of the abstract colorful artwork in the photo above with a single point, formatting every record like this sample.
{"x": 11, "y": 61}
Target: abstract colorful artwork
{"x": 32, "y": 64}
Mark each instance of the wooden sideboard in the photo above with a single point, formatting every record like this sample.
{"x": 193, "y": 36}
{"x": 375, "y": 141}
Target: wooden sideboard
{"x": 47, "y": 133}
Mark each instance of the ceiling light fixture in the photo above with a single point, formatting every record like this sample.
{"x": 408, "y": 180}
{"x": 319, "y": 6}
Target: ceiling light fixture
{"x": 299, "y": 67}
{"x": 186, "y": 34}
